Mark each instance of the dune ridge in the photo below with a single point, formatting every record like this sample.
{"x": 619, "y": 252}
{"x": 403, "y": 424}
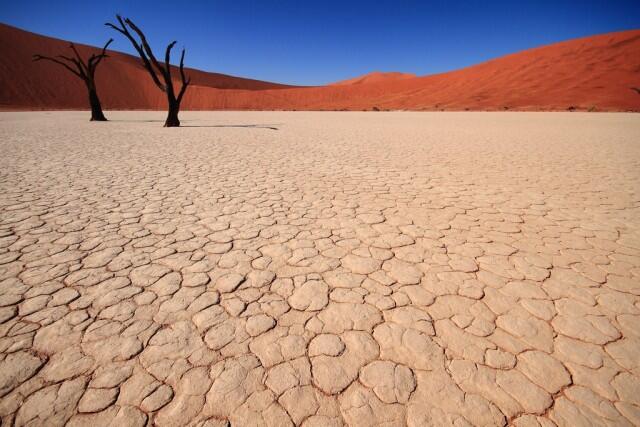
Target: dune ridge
{"x": 591, "y": 73}
{"x": 375, "y": 77}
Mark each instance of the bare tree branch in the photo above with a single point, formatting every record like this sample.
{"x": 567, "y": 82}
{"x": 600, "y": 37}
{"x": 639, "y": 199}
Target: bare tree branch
{"x": 155, "y": 68}
{"x": 95, "y": 59}
{"x": 145, "y": 61}
{"x": 144, "y": 43}
{"x": 79, "y": 61}
{"x": 146, "y": 47}
{"x": 66, "y": 58}
{"x": 167, "y": 63}
{"x": 85, "y": 71}
{"x": 48, "y": 58}
{"x": 182, "y": 69}
{"x": 185, "y": 80}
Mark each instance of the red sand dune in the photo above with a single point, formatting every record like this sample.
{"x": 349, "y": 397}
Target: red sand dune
{"x": 588, "y": 73}
{"x": 375, "y": 77}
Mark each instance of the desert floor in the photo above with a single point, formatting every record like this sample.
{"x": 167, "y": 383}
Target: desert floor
{"x": 320, "y": 269}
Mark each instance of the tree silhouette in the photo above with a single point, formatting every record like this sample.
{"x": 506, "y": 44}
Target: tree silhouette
{"x": 85, "y": 71}
{"x": 155, "y": 68}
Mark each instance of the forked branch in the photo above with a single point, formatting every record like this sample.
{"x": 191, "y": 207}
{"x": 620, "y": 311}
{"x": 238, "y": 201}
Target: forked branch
{"x": 83, "y": 70}
{"x": 57, "y": 61}
{"x": 185, "y": 80}
{"x": 94, "y": 60}
{"x": 139, "y": 47}
{"x": 156, "y": 69}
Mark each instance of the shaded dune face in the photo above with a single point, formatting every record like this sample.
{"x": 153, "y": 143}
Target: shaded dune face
{"x": 592, "y": 73}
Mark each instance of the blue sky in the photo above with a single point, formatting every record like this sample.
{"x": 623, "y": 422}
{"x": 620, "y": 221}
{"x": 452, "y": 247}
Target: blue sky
{"x": 317, "y": 42}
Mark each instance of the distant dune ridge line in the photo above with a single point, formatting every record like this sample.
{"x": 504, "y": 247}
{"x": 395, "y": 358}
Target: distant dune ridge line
{"x": 595, "y": 73}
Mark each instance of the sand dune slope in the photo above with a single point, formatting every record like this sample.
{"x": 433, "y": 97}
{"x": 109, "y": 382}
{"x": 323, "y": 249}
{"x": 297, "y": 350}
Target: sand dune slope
{"x": 592, "y": 73}
{"x": 375, "y": 77}
{"x": 123, "y": 83}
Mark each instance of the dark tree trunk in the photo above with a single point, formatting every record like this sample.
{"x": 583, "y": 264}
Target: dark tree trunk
{"x": 85, "y": 70}
{"x": 96, "y": 109}
{"x": 172, "y": 116}
{"x": 156, "y": 70}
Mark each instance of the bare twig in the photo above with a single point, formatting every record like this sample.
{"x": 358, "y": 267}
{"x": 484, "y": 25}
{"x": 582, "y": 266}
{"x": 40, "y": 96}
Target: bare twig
{"x": 48, "y": 58}
{"x": 185, "y": 80}
{"x": 95, "y": 59}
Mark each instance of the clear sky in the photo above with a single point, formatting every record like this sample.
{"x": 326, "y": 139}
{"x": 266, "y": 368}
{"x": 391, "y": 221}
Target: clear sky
{"x": 316, "y": 42}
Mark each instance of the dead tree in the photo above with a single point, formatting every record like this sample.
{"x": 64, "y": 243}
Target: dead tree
{"x": 155, "y": 68}
{"x": 85, "y": 71}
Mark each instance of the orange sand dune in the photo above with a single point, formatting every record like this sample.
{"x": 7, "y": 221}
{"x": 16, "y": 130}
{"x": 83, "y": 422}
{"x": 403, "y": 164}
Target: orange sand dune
{"x": 589, "y": 73}
{"x": 122, "y": 82}
{"x": 375, "y": 77}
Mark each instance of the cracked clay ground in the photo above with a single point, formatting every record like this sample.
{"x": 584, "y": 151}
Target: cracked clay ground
{"x": 421, "y": 269}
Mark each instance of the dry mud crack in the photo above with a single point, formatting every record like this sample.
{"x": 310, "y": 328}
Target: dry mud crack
{"x": 347, "y": 269}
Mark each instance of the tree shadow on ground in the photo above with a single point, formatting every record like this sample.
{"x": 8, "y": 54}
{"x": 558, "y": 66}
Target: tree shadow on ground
{"x": 254, "y": 126}
{"x": 268, "y": 126}
{"x": 136, "y": 121}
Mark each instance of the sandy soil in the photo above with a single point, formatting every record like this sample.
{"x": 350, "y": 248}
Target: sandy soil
{"x": 321, "y": 269}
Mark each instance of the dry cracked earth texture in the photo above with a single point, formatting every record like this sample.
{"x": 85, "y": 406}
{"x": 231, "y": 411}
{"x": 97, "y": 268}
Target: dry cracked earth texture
{"x": 320, "y": 269}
